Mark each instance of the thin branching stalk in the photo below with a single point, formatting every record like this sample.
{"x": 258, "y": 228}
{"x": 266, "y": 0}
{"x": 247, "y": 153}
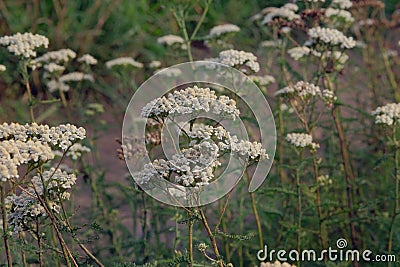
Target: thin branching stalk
{"x": 397, "y": 178}
{"x": 256, "y": 215}
{"x": 39, "y": 241}
{"x": 211, "y": 237}
{"x": 190, "y": 233}
{"x": 5, "y": 230}
{"x": 25, "y": 77}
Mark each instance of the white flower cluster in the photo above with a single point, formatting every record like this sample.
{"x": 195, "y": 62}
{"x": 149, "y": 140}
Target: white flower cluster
{"x": 59, "y": 56}
{"x": 276, "y": 264}
{"x": 220, "y": 30}
{"x": 340, "y": 14}
{"x": 76, "y": 77}
{"x": 286, "y": 12}
{"x": 75, "y": 151}
{"x": 54, "y": 68}
{"x": 21, "y": 144}
{"x": 227, "y": 142}
{"x": 169, "y": 72}
{"x": 388, "y": 114}
{"x": 88, "y": 59}
{"x": 191, "y": 100}
{"x": 298, "y": 52}
{"x": 272, "y": 43}
{"x": 301, "y": 140}
{"x": 155, "y": 64}
{"x": 342, "y": 4}
{"x": 24, "y": 44}
{"x": 2, "y": 68}
{"x": 14, "y": 153}
{"x": 170, "y": 39}
{"x": 192, "y": 167}
{"x": 239, "y": 59}
{"x": 124, "y": 61}
{"x": 61, "y": 137}
{"x": 262, "y": 80}
{"x": 301, "y": 89}
{"x": 331, "y": 37}
{"x": 54, "y": 86}
{"x": 305, "y": 91}
{"x": 25, "y": 207}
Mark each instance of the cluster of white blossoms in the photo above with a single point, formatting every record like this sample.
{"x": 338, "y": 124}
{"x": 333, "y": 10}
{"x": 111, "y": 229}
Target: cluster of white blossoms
{"x": 54, "y": 68}
{"x": 74, "y": 152}
{"x": 225, "y": 141}
{"x": 25, "y": 44}
{"x": 196, "y": 163}
{"x": 87, "y": 59}
{"x": 238, "y": 59}
{"x": 272, "y": 43}
{"x": 388, "y": 114}
{"x": 298, "y": 52}
{"x": 287, "y": 12}
{"x": 276, "y": 264}
{"x": 76, "y": 77}
{"x": 169, "y": 72}
{"x": 301, "y": 140}
{"x": 24, "y": 208}
{"x": 22, "y": 144}
{"x": 59, "y": 56}
{"x": 220, "y": 30}
{"x": 262, "y": 80}
{"x": 331, "y": 37}
{"x": 154, "y": 64}
{"x": 191, "y": 100}
{"x": 301, "y": 89}
{"x": 305, "y": 91}
{"x": 124, "y": 61}
{"x": 334, "y": 13}
{"x": 342, "y": 4}
{"x": 2, "y": 68}
{"x": 171, "y": 40}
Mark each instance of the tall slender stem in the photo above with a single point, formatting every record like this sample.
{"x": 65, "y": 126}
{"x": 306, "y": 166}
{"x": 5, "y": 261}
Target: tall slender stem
{"x": 397, "y": 178}
{"x": 256, "y": 216}
{"x": 211, "y": 237}
{"x": 5, "y": 232}
{"x": 190, "y": 230}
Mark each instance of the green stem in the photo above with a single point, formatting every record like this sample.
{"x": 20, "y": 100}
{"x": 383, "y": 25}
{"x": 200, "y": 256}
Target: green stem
{"x": 5, "y": 234}
{"x": 396, "y": 201}
{"x": 299, "y": 208}
{"x": 190, "y": 225}
{"x": 256, "y": 216}
{"x": 211, "y": 237}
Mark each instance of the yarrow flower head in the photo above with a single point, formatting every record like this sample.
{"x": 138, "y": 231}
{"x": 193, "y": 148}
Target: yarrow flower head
{"x": 59, "y": 56}
{"x": 339, "y": 14}
{"x": 239, "y": 59}
{"x": 87, "y": 59}
{"x": 301, "y": 89}
{"x": 331, "y": 37}
{"x": 342, "y": 4}
{"x": 302, "y": 140}
{"x": 24, "y": 45}
{"x": 221, "y": 30}
{"x": 172, "y": 40}
{"x": 388, "y": 114}
{"x": 21, "y": 144}
{"x": 155, "y": 64}
{"x": 124, "y": 61}
{"x": 2, "y": 68}
{"x": 286, "y": 12}
{"x": 190, "y": 100}
{"x": 24, "y": 208}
